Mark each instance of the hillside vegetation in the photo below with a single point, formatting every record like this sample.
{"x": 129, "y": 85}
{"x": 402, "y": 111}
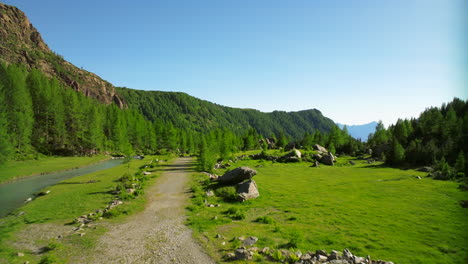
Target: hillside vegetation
{"x": 185, "y": 111}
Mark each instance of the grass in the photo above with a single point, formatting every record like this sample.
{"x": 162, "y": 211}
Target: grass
{"x": 19, "y": 169}
{"x": 68, "y": 200}
{"x": 372, "y": 210}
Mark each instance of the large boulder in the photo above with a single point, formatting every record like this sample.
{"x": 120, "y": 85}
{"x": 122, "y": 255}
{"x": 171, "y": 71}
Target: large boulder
{"x": 237, "y": 175}
{"x": 247, "y": 190}
{"x": 320, "y": 148}
{"x": 328, "y": 159}
{"x": 293, "y": 156}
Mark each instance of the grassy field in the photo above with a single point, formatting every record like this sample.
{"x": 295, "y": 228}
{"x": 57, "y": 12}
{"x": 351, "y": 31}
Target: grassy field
{"x": 372, "y": 210}
{"x": 68, "y": 200}
{"x": 17, "y": 169}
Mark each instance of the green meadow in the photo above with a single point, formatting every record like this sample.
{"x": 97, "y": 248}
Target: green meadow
{"x": 17, "y": 169}
{"x": 370, "y": 209}
{"x": 67, "y": 200}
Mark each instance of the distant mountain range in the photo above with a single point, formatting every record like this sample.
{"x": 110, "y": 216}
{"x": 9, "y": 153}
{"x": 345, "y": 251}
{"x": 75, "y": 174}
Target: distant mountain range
{"x": 360, "y": 131}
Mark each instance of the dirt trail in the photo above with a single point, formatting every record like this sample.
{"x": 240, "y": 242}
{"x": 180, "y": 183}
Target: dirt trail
{"x": 158, "y": 234}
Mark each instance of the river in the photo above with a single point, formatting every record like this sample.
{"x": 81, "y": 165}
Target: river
{"x": 14, "y": 194}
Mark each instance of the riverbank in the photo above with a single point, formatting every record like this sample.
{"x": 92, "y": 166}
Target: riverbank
{"x": 14, "y": 170}
{"x": 35, "y": 228}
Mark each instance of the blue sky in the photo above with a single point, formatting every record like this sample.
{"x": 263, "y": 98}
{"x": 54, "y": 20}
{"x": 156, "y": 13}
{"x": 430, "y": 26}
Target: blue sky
{"x": 356, "y": 61}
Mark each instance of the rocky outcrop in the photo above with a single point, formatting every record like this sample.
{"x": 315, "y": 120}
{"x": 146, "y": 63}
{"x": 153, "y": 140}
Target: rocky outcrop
{"x": 237, "y": 175}
{"x": 247, "y": 190}
{"x": 21, "y": 43}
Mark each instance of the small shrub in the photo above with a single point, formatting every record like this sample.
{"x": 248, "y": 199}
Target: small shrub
{"x": 235, "y": 213}
{"x": 236, "y": 243}
{"x": 293, "y": 258}
{"x": 277, "y": 255}
{"x": 265, "y": 220}
{"x": 49, "y": 259}
{"x": 228, "y": 193}
{"x": 294, "y": 239}
{"x": 258, "y": 257}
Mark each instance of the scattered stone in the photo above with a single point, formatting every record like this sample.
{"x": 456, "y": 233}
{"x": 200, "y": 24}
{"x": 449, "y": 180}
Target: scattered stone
{"x": 223, "y": 243}
{"x": 230, "y": 256}
{"x": 237, "y": 175}
{"x": 321, "y": 252}
{"x": 209, "y": 193}
{"x": 218, "y": 166}
{"x": 219, "y": 236}
{"x": 28, "y": 200}
{"x": 242, "y": 254}
{"x": 146, "y": 173}
{"x": 21, "y": 213}
{"x": 321, "y": 258}
{"x": 247, "y": 190}
{"x": 215, "y": 217}
{"x": 352, "y": 162}
{"x": 20, "y": 254}
{"x": 82, "y": 234}
{"x": 306, "y": 257}
{"x": 217, "y": 205}
{"x": 418, "y": 177}
{"x": 43, "y": 193}
{"x": 266, "y": 250}
{"x": 250, "y": 241}
{"x": 131, "y": 191}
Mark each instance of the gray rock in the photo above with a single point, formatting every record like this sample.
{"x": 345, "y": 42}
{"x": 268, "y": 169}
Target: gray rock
{"x": 20, "y": 254}
{"x": 352, "y": 162}
{"x": 250, "y": 241}
{"x": 209, "y": 193}
{"x": 242, "y": 254}
{"x": 293, "y": 156}
{"x": 359, "y": 260}
{"x": 328, "y": 159}
{"x": 321, "y": 252}
{"x": 230, "y": 256}
{"x": 347, "y": 255}
{"x": 317, "y": 156}
{"x": 237, "y": 175}
{"x": 321, "y": 258}
{"x": 306, "y": 257}
{"x": 247, "y": 190}
{"x": 320, "y": 148}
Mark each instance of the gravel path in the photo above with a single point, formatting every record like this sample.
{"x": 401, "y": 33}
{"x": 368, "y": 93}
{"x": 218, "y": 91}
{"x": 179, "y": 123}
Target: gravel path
{"x": 158, "y": 234}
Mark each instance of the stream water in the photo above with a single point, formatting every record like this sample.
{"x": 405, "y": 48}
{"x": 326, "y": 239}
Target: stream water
{"x": 14, "y": 194}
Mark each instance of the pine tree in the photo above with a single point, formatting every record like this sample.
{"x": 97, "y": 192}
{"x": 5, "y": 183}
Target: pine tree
{"x": 5, "y": 145}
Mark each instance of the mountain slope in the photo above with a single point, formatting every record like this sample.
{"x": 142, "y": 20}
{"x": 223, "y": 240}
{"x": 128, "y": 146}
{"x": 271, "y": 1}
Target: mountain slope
{"x": 185, "y": 111}
{"x": 360, "y": 131}
{"x": 21, "y": 43}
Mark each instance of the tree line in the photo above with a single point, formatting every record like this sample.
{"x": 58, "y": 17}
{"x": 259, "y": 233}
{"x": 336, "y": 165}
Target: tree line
{"x": 438, "y": 137}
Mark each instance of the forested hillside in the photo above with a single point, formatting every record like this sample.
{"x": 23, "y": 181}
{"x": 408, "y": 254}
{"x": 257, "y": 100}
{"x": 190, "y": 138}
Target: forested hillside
{"x": 438, "y": 137}
{"x": 185, "y": 111}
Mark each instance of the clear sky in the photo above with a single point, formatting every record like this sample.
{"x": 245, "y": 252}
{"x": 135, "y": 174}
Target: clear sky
{"x": 356, "y": 61}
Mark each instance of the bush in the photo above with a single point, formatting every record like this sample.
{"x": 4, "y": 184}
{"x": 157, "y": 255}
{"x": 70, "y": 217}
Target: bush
{"x": 235, "y": 213}
{"x": 265, "y": 220}
{"x": 227, "y": 193}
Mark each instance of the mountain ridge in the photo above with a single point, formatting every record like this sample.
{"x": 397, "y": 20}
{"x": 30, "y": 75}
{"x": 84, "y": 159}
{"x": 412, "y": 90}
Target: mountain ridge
{"x": 21, "y": 43}
{"x": 360, "y": 131}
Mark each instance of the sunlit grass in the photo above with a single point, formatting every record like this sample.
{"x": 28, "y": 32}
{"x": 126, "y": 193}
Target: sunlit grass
{"x": 372, "y": 210}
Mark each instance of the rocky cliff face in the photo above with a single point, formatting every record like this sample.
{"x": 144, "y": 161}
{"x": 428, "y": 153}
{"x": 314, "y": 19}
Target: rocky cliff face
{"x": 21, "y": 43}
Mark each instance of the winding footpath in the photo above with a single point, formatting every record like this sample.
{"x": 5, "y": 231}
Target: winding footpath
{"x": 158, "y": 234}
